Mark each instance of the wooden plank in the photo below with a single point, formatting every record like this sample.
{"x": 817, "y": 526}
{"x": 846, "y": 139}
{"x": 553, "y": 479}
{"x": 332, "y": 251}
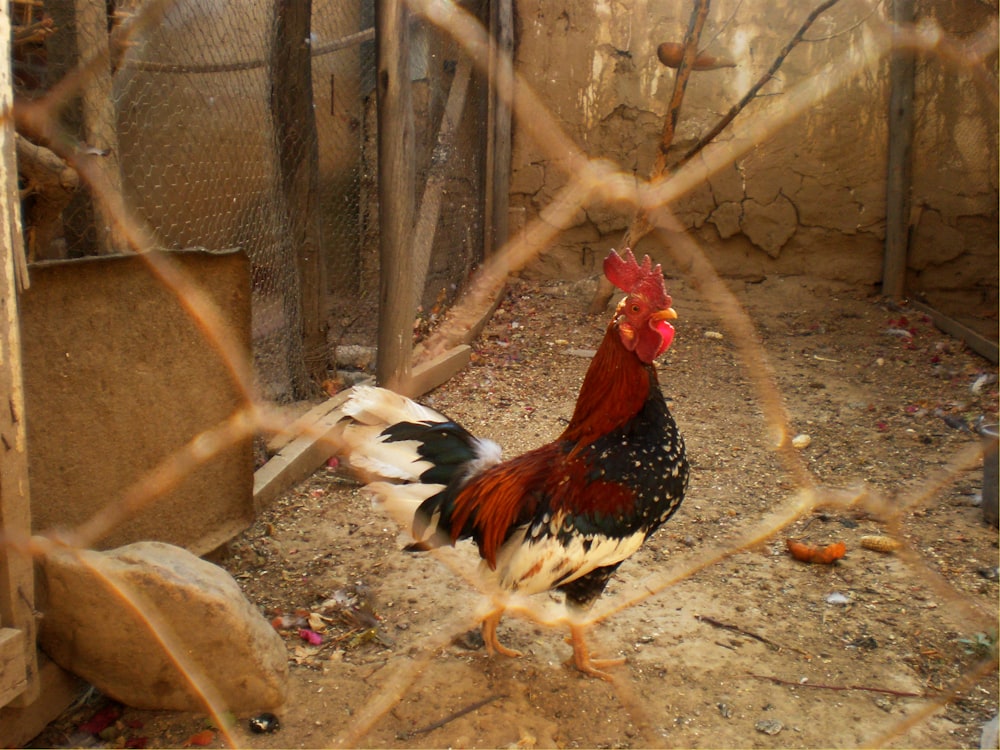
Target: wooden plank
{"x": 430, "y": 202}
{"x": 59, "y": 688}
{"x": 296, "y": 461}
{"x": 975, "y": 341}
{"x": 900, "y": 164}
{"x": 498, "y": 147}
{"x": 429, "y": 375}
{"x": 306, "y": 453}
{"x": 396, "y": 188}
{"x": 13, "y": 675}
{"x": 304, "y": 422}
{"x": 17, "y": 576}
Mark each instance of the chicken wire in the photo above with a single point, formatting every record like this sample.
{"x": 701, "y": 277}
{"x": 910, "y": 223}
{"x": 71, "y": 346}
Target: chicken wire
{"x": 189, "y": 136}
{"x": 350, "y": 216}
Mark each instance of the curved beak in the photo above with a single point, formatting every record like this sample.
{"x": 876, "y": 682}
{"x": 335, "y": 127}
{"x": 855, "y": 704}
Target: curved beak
{"x": 668, "y": 314}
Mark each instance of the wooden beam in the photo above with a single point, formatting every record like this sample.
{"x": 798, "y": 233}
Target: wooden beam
{"x": 975, "y": 341}
{"x": 429, "y": 375}
{"x": 899, "y": 166}
{"x": 430, "y": 202}
{"x": 396, "y": 188}
{"x": 17, "y": 576}
{"x": 305, "y": 422}
{"x": 13, "y": 672}
{"x": 297, "y": 460}
{"x": 59, "y": 688}
{"x": 297, "y": 145}
{"x": 498, "y": 146}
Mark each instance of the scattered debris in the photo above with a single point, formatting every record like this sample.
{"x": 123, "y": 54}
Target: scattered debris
{"x": 837, "y": 598}
{"x": 769, "y": 726}
{"x": 879, "y": 543}
{"x": 823, "y": 555}
{"x": 201, "y": 739}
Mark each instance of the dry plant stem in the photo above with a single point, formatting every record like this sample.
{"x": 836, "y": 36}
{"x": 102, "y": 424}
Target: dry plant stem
{"x": 816, "y": 686}
{"x": 640, "y": 225}
{"x": 761, "y": 82}
{"x": 456, "y": 715}
{"x": 960, "y": 686}
{"x": 737, "y": 629}
{"x": 696, "y": 25}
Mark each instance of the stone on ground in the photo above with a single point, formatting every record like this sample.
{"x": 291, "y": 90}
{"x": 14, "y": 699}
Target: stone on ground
{"x": 131, "y": 621}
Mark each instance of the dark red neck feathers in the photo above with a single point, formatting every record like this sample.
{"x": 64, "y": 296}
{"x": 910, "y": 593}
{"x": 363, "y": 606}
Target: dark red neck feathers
{"x": 614, "y": 389}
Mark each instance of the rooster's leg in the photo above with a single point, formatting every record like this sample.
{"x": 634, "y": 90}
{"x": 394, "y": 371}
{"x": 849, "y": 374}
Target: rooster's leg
{"x": 490, "y": 635}
{"x": 581, "y": 655}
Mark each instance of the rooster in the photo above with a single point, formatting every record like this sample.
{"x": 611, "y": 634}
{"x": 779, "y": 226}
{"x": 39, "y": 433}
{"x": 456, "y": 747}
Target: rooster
{"x": 563, "y": 516}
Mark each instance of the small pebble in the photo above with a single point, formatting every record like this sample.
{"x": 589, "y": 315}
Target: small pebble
{"x": 714, "y": 335}
{"x": 769, "y": 726}
{"x": 837, "y": 598}
{"x": 801, "y": 441}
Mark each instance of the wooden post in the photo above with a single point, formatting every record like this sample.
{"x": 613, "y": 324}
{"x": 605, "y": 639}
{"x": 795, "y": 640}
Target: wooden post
{"x": 430, "y": 202}
{"x": 498, "y": 147}
{"x": 297, "y": 145}
{"x": 83, "y": 36}
{"x": 396, "y": 187}
{"x": 899, "y": 168}
{"x": 18, "y": 656}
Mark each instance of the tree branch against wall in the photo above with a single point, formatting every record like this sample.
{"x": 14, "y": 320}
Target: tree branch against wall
{"x": 641, "y": 225}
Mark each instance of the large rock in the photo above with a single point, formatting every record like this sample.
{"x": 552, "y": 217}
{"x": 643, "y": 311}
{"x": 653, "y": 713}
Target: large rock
{"x": 130, "y": 620}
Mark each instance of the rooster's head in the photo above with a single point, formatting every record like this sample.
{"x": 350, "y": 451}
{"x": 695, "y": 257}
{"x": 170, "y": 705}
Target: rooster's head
{"x": 641, "y": 317}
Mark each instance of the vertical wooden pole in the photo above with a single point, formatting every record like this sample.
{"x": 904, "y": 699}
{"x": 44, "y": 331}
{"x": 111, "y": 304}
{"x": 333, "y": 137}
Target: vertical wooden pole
{"x": 499, "y": 124}
{"x": 396, "y": 189}
{"x": 297, "y": 144}
{"x": 19, "y": 678}
{"x": 900, "y": 167}
{"x": 81, "y": 36}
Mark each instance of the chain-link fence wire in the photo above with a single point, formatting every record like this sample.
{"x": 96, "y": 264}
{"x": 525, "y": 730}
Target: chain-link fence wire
{"x": 186, "y": 125}
{"x": 589, "y": 182}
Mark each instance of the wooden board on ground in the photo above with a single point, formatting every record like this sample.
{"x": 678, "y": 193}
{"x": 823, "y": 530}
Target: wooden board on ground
{"x": 59, "y": 688}
{"x": 975, "y": 341}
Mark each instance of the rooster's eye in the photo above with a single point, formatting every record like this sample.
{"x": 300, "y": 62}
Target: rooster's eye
{"x": 635, "y": 308}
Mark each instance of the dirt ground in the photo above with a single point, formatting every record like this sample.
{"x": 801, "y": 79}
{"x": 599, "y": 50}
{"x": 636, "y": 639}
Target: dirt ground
{"x": 729, "y": 641}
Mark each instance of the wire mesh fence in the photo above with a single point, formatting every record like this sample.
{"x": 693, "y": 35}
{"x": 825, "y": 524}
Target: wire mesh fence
{"x": 188, "y": 124}
{"x": 180, "y": 141}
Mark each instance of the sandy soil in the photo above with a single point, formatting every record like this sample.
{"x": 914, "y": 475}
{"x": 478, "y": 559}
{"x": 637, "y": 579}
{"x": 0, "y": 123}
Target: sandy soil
{"x": 728, "y": 640}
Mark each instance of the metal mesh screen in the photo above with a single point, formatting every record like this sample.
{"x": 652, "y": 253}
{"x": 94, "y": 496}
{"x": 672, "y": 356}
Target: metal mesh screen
{"x": 188, "y": 129}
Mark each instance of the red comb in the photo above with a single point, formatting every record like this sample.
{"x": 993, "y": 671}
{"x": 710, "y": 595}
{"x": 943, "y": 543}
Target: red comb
{"x": 645, "y": 280}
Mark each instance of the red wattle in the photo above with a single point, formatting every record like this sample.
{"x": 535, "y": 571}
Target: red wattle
{"x": 666, "y": 332}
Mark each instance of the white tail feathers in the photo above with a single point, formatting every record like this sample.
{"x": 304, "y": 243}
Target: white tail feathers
{"x": 378, "y": 406}
{"x": 374, "y": 409}
{"x": 400, "y": 502}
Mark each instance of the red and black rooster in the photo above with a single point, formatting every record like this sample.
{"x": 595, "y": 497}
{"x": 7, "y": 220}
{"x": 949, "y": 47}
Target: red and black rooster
{"x": 564, "y": 515}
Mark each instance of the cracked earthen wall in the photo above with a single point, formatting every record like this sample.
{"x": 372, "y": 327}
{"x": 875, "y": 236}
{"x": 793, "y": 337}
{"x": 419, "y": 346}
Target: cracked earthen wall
{"x": 810, "y": 196}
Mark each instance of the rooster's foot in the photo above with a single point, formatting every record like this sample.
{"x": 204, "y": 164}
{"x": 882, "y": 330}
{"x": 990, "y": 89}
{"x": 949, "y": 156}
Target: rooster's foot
{"x": 581, "y": 656}
{"x": 490, "y": 636}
